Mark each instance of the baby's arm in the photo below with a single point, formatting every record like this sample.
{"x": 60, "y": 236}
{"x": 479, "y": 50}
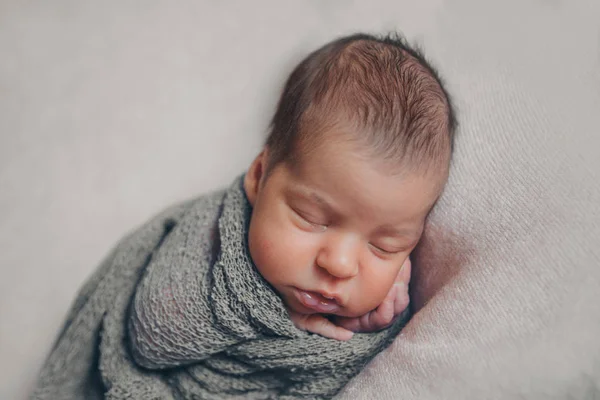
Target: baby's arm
{"x": 342, "y": 328}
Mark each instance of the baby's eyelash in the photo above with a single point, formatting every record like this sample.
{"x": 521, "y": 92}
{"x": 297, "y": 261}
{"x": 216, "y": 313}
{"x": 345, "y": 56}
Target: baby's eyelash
{"x": 308, "y": 221}
{"x": 383, "y": 251}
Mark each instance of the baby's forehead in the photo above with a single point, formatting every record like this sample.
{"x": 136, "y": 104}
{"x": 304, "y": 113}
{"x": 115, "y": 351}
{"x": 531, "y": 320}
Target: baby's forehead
{"x": 346, "y": 141}
{"x": 339, "y": 171}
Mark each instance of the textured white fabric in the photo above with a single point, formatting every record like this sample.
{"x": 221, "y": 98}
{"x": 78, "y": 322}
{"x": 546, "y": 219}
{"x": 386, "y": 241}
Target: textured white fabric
{"x": 109, "y": 111}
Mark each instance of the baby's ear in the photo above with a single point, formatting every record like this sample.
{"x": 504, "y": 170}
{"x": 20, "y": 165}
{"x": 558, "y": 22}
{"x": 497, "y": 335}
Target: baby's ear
{"x": 254, "y": 176}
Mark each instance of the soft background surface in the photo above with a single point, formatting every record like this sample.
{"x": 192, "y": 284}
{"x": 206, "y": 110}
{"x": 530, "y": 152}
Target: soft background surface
{"x": 110, "y": 111}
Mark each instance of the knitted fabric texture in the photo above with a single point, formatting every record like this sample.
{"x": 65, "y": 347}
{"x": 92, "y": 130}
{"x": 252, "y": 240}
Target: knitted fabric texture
{"x": 178, "y": 311}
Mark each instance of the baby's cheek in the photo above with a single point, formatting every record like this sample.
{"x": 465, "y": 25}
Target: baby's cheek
{"x": 262, "y": 255}
{"x": 270, "y": 254}
{"x": 295, "y": 254}
{"x": 260, "y": 246}
{"x": 373, "y": 291}
{"x": 265, "y": 247}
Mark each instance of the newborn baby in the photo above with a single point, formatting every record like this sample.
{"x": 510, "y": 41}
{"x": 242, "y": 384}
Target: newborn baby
{"x": 241, "y": 293}
{"x": 357, "y": 156}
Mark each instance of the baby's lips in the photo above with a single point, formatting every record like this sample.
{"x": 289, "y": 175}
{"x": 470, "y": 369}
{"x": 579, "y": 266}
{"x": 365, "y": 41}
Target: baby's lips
{"x": 317, "y": 302}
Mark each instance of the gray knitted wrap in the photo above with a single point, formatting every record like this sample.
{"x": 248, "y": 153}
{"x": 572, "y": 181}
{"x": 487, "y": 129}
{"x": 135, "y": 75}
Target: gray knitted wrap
{"x": 178, "y": 311}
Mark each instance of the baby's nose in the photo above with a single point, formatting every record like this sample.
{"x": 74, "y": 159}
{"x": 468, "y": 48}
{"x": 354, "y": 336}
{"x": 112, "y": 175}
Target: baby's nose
{"x": 339, "y": 257}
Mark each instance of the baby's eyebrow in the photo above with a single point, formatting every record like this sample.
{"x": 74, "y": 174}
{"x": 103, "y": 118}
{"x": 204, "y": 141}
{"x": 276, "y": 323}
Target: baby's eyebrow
{"x": 310, "y": 194}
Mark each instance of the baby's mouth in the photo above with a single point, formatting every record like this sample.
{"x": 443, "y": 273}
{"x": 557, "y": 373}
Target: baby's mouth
{"x": 316, "y": 301}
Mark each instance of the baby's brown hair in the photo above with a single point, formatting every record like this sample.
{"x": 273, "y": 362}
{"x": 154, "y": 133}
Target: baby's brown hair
{"x": 381, "y": 88}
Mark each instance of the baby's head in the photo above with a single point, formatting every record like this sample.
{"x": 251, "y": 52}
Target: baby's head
{"x": 358, "y": 153}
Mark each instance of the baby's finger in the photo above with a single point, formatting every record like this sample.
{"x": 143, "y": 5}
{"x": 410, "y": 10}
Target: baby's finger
{"x": 402, "y": 299}
{"x": 382, "y": 315}
{"x": 320, "y": 325}
{"x": 351, "y": 324}
{"x": 405, "y": 271}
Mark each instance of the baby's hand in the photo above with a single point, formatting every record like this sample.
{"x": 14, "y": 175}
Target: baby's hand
{"x": 317, "y": 323}
{"x": 394, "y": 303}
{"x": 342, "y": 328}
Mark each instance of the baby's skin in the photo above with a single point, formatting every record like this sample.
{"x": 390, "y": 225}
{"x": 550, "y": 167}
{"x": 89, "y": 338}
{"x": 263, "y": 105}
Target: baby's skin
{"x": 333, "y": 232}
{"x": 342, "y": 328}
